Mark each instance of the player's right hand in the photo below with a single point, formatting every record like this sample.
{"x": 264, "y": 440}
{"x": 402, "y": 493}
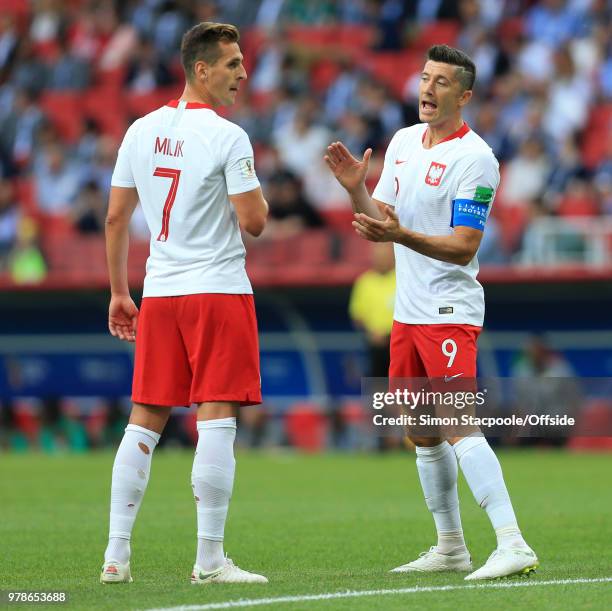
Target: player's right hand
{"x": 123, "y": 318}
{"x": 349, "y": 172}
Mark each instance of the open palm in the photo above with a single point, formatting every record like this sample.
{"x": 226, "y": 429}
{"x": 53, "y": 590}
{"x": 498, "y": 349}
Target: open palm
{"x": 349, "y": 172}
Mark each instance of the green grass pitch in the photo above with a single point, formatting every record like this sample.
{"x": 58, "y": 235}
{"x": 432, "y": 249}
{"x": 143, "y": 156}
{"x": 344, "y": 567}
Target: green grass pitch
{"x": 312, "y": 524}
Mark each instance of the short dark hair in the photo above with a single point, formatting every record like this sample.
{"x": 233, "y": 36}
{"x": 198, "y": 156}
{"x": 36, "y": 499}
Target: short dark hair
{"x": 200, "y": 43}
{"x": 466, "y": 69}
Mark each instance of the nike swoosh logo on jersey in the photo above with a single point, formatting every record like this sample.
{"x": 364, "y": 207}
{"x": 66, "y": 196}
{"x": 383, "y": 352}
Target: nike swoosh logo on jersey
{"x": 400, "y": 161}
{"x": 449, "y": 378}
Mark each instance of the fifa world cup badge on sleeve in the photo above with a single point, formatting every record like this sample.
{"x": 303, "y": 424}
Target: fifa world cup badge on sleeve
{"x": 247, "y": 167}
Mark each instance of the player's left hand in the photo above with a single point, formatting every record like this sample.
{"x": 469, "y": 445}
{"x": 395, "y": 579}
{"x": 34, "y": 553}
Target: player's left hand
{"x": 387, "y": 230}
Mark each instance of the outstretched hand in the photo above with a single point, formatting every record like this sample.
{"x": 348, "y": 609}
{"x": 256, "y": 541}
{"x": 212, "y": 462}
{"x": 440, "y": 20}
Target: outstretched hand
{"x": 349, "y": 171}
{"x": 387, "y": 230}
{"x": 123, "y": 318}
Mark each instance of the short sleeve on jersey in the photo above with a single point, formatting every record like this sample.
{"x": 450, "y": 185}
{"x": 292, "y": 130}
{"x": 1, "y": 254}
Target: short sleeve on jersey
{"x": 239, "y": 168}
{"x": 122, "y": 174}
{"x": 386, "y": 189}
{"x": 474, "y": 198}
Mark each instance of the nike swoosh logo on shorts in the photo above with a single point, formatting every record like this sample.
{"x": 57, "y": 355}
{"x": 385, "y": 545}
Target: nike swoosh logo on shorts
{"x": 449, "y": 378}
{"x": 400, "y": 161}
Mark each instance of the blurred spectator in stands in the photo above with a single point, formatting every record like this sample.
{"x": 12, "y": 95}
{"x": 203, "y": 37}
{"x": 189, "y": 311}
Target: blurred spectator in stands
{"x": 169, "y": 27}
{"x": 257, "y": 124}
{"x": 554, "y": 22}
{"x": 603, "y": 180}
{"x": 530, "y": 247}
{"x": 118, "y": 39}
{"x": 56, "y": 179}
{"x": 147, "y": 70}
{"x": 48, "y": 22}
{"x": 29, "y": 72}
{"x": 357, "y": 133}
{"x": 266, "y": 75}
{"x": 604, "y": 72}
{"x": 549, "y": 241}
{"x": 569, "y": 98}
{"x": 283, "y": 107}
{"x": 509, "y": 96}
{"x": 301, "y": 143}
{"x": 9, "y": 221}
{"x": 529, "y": 127}
{"x": 67, "y": 72}
{"x": 491, "y": 250}
{"x": 89, "y": 141}
{"x": 290, "y": 211}
{"x": 340, "y": 95}
{"x": 388, "y": 19}
{"x": 383, "y": 113}
{"x": 8, "y": 427}
{"x": 20, "y": 127}
{"x": 481, "y": 46}
{"x": 534, "y": 61}
{"x": 86, "y": 41}
{"x": 371, "y": 307}
{"x": 544, "y": 383}
{"x": 578, "y": 200}
{"x": 538, "y": 359}
{"x": 26, "y": 261}
{"x": 524, "y": 177}
{"x": 61, "y": 426}
{"x": 89, "y": 211}
{"x": 603, "y": 184}
{"x": 7, "y": 167}
{"x": 268, "y": 13}
{"x": 478, "y": 39}
{"x": 488, "y": 126}
{"x": 295, "y": 71}
{"x": 100, "y": 170}
{"x": 313, "y": 13}
{"x": 8, "y": 43}
{"x": 215, "y": 10}
{"x": 567, "y": 166}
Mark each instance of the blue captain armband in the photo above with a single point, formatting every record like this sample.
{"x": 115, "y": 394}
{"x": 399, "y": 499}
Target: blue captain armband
{"x": 469, "y": 213}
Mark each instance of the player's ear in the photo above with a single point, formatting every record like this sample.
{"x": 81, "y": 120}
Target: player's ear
{"x": 200, "y": 70}
{"x": 465, "y": 97}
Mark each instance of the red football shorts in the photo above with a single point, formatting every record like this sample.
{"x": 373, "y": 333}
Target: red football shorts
{"x": 197, "y": 348}
{"x": 433, "y": 351}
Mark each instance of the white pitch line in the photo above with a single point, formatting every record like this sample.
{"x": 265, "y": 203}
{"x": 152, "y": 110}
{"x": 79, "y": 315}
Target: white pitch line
{"x": 254, "y": 602}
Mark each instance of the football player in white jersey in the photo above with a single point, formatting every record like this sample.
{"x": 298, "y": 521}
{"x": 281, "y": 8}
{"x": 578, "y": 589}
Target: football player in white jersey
{"x": 196, "y": 332}
{"x": 432, "y": 201}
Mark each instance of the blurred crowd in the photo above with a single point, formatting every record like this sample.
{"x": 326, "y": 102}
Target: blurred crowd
{"x": 319, "y": 70}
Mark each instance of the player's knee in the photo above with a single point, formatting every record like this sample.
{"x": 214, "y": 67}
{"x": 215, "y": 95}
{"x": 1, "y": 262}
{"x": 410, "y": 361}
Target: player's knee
{"x": 424, "y": 442}
{"x": 213, "y": 480}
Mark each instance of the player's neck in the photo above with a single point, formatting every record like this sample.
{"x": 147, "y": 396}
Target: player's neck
{"x": 436, "y": 133}
{"x": 193, "y": 94}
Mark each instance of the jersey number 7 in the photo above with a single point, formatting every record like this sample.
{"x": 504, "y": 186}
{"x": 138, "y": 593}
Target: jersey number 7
{"x": 175, "y": 176}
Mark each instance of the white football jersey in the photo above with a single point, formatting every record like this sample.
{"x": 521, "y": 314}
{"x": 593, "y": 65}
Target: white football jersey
{"x": 185, "y": 160}
{"x": 433, "y": 190}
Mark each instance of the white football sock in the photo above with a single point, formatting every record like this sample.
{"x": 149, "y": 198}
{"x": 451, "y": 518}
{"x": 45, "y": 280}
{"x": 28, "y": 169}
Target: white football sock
{"x": 484, "y": 476}
{"x": 437, "y": 467}
{"x": 130, "y": 478}
{"x": 212, "y": 481}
